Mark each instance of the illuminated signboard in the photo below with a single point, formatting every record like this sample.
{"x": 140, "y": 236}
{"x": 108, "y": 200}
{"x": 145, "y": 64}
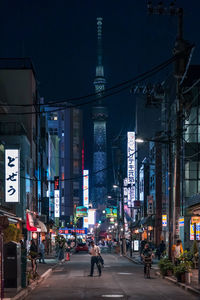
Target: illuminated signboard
{"x": 81, "y": 211}
{"x": 125, "y": 191}
{"x": 181, "y": 221}
{"x": 197, "y": 231}
{"x": 91, "y": 216}
{"x": 12, "y": 175}
{"x": 195, "y": 219}
{"x": 131, "y": 167}
{"x": 136, "y": 245}
{"x": 56, "y": 182}
{"x": 85, "y": 194}
{"x": 85, "y": 188}
{"x": 72, "y": 230}
{"x": 57, "y": 203}
{"x": 164, "y": 220}
{"x": 111, "y": 212}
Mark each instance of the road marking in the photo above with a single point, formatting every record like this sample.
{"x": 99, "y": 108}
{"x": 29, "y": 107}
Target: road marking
{"x": 112, "y": 296}
{"x": 125, "y": 273}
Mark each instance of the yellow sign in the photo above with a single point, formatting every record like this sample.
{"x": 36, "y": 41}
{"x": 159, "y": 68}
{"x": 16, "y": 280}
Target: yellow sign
{"x": 195, "y": 219}
{"x": 164, "y": 220}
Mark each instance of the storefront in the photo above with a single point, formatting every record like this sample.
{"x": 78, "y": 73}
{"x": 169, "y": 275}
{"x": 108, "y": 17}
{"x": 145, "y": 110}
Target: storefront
{"x": 36, "y": 228}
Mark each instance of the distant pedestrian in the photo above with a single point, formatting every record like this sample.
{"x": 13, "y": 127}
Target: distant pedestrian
{"x": 42, "y": 252}
{"x": 95, "y": 253}
{"x": 61, "y": 249}
{"x": 162, "y": 249}
{"x": 177, "y": 250}
{"x": 142, "y": 245}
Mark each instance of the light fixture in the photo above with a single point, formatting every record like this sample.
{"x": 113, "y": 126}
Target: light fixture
{"x": 115, "y": 186}
{"x": 109, "y": 197}
{"x": 139, "y": 140}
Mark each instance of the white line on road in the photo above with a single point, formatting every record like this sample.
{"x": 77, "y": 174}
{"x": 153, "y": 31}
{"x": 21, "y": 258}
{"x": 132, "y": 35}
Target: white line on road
{"x": 112, "y": 296}
{"x": 125, "y": 273}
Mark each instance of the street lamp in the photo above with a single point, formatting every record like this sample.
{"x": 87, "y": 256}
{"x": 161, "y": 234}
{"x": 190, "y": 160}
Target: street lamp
{"x": 115, "y": 186}
{"x": 139, "y": 140}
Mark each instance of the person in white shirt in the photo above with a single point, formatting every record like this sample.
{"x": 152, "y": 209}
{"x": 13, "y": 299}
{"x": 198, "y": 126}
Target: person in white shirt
{"x": 94, "y": 252}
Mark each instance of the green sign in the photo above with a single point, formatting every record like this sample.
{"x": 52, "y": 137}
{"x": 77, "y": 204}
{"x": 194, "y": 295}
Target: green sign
{"x": 81, "y": 211}
{"x": 111, "y": 212}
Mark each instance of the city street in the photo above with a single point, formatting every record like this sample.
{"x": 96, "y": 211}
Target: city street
{"x": 120, "y": 279}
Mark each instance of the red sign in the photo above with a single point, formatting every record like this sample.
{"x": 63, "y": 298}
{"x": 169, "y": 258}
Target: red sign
{"x": 56, "y": 182}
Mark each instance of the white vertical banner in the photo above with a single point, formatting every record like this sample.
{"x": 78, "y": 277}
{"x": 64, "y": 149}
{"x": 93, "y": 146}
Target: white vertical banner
{"x": 131, "y": 167}
{"x": 85, "y": 195}
{"x": 57, "y": 203}
{"x": 12, "y": 175}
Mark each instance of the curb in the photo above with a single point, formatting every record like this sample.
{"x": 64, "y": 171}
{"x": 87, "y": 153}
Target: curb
{"x": 182, "y": 285}
{"x": 26, "y": 291}
{"x": 134, "y": 261}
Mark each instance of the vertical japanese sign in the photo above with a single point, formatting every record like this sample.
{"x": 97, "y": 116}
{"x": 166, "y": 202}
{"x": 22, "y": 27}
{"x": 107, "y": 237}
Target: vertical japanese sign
{"x": 56, "y": 197}
{"x": 131, "y": 167}
{"x": 12, "y": 175}
{"x": 85, "y": 194}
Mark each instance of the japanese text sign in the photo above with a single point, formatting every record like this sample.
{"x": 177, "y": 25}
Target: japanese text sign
{"x": 12, "y": 175}
{"x": 57, "y": 203}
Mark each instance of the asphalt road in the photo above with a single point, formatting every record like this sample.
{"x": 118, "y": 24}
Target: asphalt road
{"x": 121, "y": 279}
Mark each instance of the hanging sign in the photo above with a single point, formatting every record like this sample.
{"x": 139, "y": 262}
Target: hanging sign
{"x": 57, "y": 203}
{"x": 164, "y": 220}
{"x": 81, "y": 211}
{"x": 181, "y": 221}
{"x": 12, "y": 175}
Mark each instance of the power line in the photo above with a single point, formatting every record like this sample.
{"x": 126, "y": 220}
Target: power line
{"x": 53, "y": 103}
{"x": 149, "y": 74}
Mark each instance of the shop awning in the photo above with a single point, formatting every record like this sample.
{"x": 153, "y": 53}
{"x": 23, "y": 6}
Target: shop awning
{"x": 34, "y": 224}
{"x": 12, "y": 219}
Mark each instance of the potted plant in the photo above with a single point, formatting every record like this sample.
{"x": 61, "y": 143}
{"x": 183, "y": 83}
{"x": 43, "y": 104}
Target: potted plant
{"x": 181, "y": 270}
{"x": 166, "y": 267}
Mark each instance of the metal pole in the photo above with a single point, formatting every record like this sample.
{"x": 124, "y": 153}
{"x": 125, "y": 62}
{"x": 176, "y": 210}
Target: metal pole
{"x": 170, "y": 201}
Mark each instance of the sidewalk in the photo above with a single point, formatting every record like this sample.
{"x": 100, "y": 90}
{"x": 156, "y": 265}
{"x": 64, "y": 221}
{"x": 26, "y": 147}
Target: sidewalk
{"x": 43, "y": 270}
{"x": 193, "y": 287}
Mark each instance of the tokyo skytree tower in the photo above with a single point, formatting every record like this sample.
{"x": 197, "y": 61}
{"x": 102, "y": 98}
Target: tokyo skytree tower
{"x": 99, "y": 116}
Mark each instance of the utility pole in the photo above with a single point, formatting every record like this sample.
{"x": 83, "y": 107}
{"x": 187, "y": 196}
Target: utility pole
{"x": 182, "y": 48}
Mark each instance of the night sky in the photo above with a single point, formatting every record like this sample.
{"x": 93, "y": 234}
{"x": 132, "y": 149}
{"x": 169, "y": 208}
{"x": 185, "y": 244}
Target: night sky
{"x": 60, "y": 37}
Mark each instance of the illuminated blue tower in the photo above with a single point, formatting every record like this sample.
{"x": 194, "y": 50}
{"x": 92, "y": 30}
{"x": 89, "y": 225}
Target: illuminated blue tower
{"x": 99, "y": 116}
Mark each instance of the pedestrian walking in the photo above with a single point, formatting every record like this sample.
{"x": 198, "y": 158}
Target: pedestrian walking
{"x": 42, "y": 252}
{"x": 95, "y": 253}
